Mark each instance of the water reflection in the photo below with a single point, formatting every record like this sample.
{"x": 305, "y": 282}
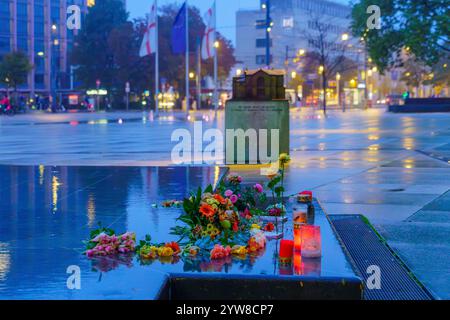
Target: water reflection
{"x": 46, "y": 213}
{"x": 5, "y": 261}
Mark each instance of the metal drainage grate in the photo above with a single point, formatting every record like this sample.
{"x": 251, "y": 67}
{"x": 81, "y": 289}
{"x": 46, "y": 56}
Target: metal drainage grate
{"x": 366, "y": 249}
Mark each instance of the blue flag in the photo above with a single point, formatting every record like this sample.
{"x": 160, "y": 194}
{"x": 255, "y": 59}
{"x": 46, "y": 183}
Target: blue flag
{"x": 179, "y": 32}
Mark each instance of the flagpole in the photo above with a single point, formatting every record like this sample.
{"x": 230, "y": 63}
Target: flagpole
{"x": 216, "y": 50}
{"x": 187, "y": 58}
{"x": 199, "y": 74}
{"x": 156, "y": 61}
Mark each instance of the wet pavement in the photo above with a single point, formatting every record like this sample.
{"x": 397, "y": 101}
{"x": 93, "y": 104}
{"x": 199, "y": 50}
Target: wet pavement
{"x": 392, "y": 168}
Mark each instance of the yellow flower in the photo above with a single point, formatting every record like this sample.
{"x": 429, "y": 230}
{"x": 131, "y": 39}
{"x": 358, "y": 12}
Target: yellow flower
{"x": 165, "y": 252}
{"x": 212, "y": 201}
{"x": 239, "y": 250}
{"x": 255, "y": 226}
{"x": 284, "y": 158}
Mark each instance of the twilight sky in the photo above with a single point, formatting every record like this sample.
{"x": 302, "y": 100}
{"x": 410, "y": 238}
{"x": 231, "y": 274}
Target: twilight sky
{"x": 226, "y": 11}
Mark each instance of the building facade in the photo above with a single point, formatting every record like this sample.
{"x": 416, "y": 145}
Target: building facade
{"x": 294, "y": 31}
{"x": 292, "y": 19}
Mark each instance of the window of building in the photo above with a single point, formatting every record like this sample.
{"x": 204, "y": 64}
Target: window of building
{"x": 261, "y": 59}
{"x": 288, "y": 23}
{"x": 261, "y": 43}
{"x": 260, "y": 24}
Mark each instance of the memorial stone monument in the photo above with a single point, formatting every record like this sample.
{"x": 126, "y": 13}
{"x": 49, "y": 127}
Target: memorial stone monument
{"x": 257, "y": 118}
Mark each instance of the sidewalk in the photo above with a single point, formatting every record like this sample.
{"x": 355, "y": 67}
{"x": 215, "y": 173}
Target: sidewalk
{"x": 40, "y": 117}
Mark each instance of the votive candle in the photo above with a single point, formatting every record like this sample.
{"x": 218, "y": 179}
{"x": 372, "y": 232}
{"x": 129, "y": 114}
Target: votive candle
{"x": 297, "y": 239}
{"x": 311, "y": 244}
{"x": 286, "y": 251}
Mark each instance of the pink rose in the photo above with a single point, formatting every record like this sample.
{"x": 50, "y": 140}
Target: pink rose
{"x": 233, "y": 198}
{"x": 228, "y": 193}
{"x": 258, "y": 188}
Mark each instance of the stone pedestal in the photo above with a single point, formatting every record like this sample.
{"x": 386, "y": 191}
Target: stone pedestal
{"x": 253, "y": 125}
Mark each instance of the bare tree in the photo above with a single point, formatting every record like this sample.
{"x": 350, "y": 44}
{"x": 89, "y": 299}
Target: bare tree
{"x": 328, "y": 50}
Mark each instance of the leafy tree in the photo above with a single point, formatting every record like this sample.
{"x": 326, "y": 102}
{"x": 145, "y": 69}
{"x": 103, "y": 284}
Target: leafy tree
{"x": 419, "y": 27}
{"x": 14, "y": 69}
{"x": 92, "y": 48}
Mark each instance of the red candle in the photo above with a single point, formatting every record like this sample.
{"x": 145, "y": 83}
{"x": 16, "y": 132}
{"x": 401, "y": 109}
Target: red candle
{"x": 285, "y": 269}
{"x": 298, "y": 263}
{"x": 311, "y": 244}
{"x": 297, "y": 239}
{"x": 305, "y": 196}
{"x": 286, "y": 251}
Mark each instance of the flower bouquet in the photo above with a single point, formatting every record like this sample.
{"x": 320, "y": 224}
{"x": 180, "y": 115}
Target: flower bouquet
{"x": 166, "y": 253}
{"x": 105, "y": 242}
{"x": 213, "y": 223}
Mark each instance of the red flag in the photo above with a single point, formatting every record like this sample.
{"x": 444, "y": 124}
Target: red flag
{"x": 149, "y": 42}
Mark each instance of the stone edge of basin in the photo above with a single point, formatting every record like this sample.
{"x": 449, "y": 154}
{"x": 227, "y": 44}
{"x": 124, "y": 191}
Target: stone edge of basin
{"x": 180, "y": 286}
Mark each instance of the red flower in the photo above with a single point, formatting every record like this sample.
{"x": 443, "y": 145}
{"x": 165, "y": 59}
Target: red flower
{"x": 174, "y": 246}
{"x": 207, "y": 210}
{"x": 221, "y": 199}
{"x": 235, "y": 227}
{"x": 247, "y": 215}
{"x": 269, "y": 227}
{"x": 219, "y": 252}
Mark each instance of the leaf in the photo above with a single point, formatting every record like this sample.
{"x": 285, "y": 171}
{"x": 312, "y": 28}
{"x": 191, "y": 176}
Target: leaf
{"x": 209, "y": 189}
{"x": 279, "y": 190}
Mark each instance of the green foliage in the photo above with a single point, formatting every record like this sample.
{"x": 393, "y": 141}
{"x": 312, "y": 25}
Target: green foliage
{"x": 421, "y": 27}
{"x": 14, "y": 69}
{"x": 94, "y": 50}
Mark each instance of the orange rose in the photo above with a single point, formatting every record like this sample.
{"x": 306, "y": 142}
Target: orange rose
{"x": 207, "y": 210}
{"x": 174, "y": 246}
{"x": 219, "y": 198}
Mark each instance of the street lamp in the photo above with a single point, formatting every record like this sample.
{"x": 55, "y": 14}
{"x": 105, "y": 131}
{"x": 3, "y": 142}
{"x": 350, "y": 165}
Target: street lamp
{"x": 53, "y": 66}
{"x": 191, "y": 75}
{"x": 321, "y": 68}
{"x": 294, "y": 74}
{"x": 269, "y": 24}
{"x": 238, "y": 72}
{"x": 338, "y": 91}
{"x": 344, "y": 37}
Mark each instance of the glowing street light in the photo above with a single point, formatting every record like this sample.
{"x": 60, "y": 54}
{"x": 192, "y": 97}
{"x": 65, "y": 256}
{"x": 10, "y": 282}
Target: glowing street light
{"x": 238, "y": 72}
{"x": 321, "y": 68}
{"x": 216, "y": 44}
{"x": 294, "y": 74}
{"x": 191, "y": 75}
{"x": 301, "y": 52}
{"x": 344, "y": 37}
